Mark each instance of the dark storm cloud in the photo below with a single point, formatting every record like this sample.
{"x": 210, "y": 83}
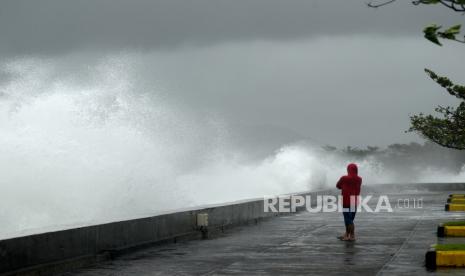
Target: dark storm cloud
{"x": 277, "y": 71}
{"x": 60, "y": 26}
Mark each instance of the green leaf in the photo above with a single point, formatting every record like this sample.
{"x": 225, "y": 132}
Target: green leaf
{"x": 446, "y": 35}
{"x": 450, "y": 33}
{"x": 431, "y": 33}
{"x": 427, "y": 2}
{"x": 453, "y": 30}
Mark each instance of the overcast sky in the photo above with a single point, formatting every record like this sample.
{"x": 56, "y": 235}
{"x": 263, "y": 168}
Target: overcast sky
{"x": 335, "y": 72}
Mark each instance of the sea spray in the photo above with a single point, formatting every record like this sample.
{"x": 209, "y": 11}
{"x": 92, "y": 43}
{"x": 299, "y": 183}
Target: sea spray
{"x": 79, "y": 148}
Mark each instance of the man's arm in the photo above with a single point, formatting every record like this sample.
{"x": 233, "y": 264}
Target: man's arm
{"x": 339, "y": 184}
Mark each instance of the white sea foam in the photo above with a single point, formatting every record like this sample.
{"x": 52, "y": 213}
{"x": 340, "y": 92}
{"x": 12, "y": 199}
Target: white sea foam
{"x": 76, "y": 152}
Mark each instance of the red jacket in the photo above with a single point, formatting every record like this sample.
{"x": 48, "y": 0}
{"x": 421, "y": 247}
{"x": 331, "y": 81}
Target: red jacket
{"x": 350, "y": 185}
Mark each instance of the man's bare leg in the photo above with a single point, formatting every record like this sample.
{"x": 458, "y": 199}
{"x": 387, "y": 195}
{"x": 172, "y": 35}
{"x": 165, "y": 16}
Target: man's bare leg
{"x": 346, "y": 234}
{"x": 352, "y": 232}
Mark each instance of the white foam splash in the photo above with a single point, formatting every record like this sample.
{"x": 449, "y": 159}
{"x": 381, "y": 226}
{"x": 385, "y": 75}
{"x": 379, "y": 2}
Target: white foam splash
{"x": 74, "y": 152}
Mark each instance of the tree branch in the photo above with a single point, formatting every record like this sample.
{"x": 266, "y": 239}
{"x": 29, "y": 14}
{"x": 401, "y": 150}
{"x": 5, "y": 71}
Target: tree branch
{"x": 371, "y": 5}
{"x": 458, "y": 40}
{"x": 452, "y": 5}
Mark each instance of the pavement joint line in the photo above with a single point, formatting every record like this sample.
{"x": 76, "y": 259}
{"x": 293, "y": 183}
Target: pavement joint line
{"x": 412, "y": 233}
{"x": 318, "y": 228}
{"x": 214, "y": 270}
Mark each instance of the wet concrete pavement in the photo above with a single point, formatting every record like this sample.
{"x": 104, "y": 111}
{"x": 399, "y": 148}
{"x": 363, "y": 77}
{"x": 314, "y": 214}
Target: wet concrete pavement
{"x": 305, "y": 244}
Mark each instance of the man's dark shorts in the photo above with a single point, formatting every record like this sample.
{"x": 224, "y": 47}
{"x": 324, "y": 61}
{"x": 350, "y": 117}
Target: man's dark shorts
{"x": 349, "y": 217}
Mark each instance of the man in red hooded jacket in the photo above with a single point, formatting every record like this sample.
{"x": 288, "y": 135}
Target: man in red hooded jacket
{"x": 350, "y": 189}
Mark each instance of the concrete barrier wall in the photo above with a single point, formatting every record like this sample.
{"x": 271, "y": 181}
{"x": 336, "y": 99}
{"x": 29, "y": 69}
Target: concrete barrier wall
{"x": 85, "y": 245}
{"x": 400, "y": 187}
{"x": 51, "y": 248}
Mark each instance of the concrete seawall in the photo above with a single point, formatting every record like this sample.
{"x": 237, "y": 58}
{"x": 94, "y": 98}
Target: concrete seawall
{"x": 67, "y": 249}
{"x": 60, "y": 250}
{"x": 402, "y": 187}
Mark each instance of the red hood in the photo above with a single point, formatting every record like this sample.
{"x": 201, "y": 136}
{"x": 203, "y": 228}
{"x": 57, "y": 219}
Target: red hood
{"x": 352, "y": 169}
